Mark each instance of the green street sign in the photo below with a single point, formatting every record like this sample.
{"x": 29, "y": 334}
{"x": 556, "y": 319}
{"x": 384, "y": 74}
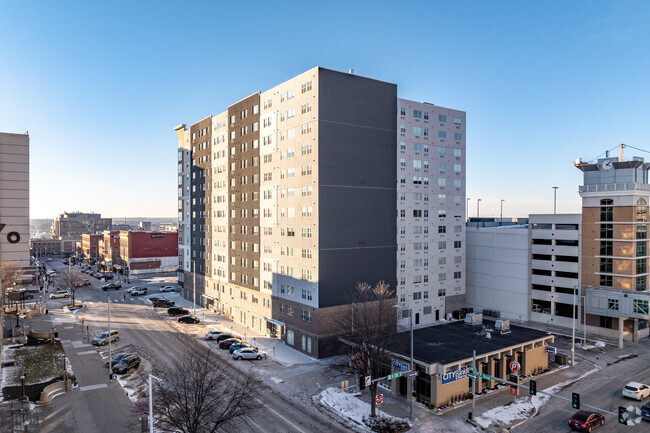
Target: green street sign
{"x": 394, "y": 375}
{"x": 471, "y": 368}
{"x": 483, "y": 376}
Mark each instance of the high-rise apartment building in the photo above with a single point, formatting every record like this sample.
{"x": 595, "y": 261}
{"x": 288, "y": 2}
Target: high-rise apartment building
{"x": 615, "y": 198}
{"x": 14, "y": 199}
{"x": 431, "y": 211}
{"x": 289, "y": 198}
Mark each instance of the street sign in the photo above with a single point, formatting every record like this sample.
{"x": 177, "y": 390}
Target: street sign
{"x": 401, "y": 365}
{"x": 471, "y": 376}
{"x": 484, "y": 376}
{"x": 368, "y": 380}
{"x": 552, "y": 350}
{"x": 379, "y": 399}
{"x": 514, "y": 390}
{"x": 514, "y": 366}
{"x": 412, "y": 374}
{"x": 394, "y": 375}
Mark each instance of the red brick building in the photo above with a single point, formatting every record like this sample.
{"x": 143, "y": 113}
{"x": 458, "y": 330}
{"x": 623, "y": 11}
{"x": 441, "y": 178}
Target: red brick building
{"x": 146, "y": 252}
{"x": 109, "y": 246}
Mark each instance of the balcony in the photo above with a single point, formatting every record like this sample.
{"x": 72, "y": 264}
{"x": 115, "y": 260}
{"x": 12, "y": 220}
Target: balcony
{"x": 625, "y": 186}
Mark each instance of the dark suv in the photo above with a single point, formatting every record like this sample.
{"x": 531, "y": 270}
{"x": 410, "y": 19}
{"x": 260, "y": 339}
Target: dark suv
{"x": 177, "y": 311}
{"x": 163, "y": 303}
{"x": 127, "y": 363}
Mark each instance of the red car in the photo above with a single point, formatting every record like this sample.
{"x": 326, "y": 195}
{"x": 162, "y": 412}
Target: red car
{"x": 586, "y": 421}
{"x": 225, "y": 344}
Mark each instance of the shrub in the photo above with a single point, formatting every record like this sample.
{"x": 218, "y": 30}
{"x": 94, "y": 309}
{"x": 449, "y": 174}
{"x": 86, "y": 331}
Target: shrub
{"x": 382, "y": 424}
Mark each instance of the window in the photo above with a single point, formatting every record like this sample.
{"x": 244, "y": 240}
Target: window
{"x": 457, "y": 168}
{"x": 442, "y": 245}
{"x": 458, "y": 121}
{"x": 607, "y": 210}
{"x": 289, "y": 337}
{"x": 442, "y": 292}
{"x": 458, "y": 136}
{"x": 305, "y": 315}
{"x": 417, "y": 147}
{"x": 442, "y": 118}
{"x": 607, "y": 231}
{"x": 402, "y": 145}
{"x": 402, "y": 111}
{"x": 457, "y": 244}
{"x": 457, "y": 275}
{"x": 640, "y": 306}
{"x": 306, "y": 87}
{"x": 442, "y": 134}
{"x": 442, "y": 229}
{"x": 457, "y": 183}
{"x": 306, "y": 108}
{"x": 417, "y": 130}
{"x": 417, "y": 114}
{"x": 458, "y": 152}
{"x": 442, "y": 181}
{"x": 612, "y": 304}
{"x": 442, "y": 150}
{"x": 442, "y": 277}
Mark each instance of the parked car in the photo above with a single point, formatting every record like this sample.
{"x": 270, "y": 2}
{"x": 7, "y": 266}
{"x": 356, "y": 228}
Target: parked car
{"x": 155, "y": 298}
{"x": 636, "y": 390}
{"x": 112, "y": 286}
{"x": 222, "y": 337}
{"x": 225, "y": 344}
{"x": 97, "y": 275}
{"x": 586, "y": 421}
{"x": 106, "y": 275}
{"x": 28, "y": 295}
{"x": 117, "y": 358}
{"x": 212, "y": 335}
{"x": 177, "y": 311}
{"x": 102, "y": 338}
{"x": 645, "y": 411}
{"x": 189, "y": 319}
{"x": 164, "y": 289}
{"x": 130, "y": 362}
{"x": 136, "y": 291}
{"x": 237, "y": 346}
{"x": 163, "y": 303}
{"x": 59, "y": 294}
{"x": 249, "y": 353}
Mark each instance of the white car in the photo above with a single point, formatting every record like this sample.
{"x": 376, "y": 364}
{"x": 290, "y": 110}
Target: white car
{"x": 248, "y": 353}
{"x": 167, "y": 289}
{"x": 137, "y": 290}
{"x": 60, "y": 294}
{"x": 212, "y": 335}
{"x": 636, "y": 390}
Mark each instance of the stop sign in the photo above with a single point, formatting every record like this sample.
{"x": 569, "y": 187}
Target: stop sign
{"x": 379, "y": 399}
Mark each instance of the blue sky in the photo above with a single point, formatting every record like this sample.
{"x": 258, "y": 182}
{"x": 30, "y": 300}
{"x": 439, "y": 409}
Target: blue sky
{"x": 100, "y": 85}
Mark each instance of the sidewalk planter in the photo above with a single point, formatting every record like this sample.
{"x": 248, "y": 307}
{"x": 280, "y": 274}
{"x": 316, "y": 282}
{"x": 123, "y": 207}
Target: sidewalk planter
{"x": 53, "y": 390}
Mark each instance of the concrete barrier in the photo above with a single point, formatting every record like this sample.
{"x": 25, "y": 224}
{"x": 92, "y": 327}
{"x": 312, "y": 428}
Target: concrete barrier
{"x": 53, "y": 390}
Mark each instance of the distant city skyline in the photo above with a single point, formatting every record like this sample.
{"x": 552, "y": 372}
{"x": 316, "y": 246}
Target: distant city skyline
{"x": 101, "y": 90}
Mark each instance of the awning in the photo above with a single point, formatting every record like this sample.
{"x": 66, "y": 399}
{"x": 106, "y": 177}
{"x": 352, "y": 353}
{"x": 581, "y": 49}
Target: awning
{"x": 208, "y": 297}
{"x": 275, "y": 322}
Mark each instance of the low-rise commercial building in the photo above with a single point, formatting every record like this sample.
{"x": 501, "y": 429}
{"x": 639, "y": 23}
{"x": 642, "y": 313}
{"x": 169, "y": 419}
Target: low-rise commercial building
{"x": 147, "y": 252}
{"x": 90, "y": 245}
{"x": 443, "y": 357}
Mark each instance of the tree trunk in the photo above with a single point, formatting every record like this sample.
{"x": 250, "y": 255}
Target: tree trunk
{"x": 373, "y": 394}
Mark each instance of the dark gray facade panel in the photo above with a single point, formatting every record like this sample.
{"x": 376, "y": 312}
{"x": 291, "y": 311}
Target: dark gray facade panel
{"x": 341, "y": 270}
{"x": 357, "y": 164}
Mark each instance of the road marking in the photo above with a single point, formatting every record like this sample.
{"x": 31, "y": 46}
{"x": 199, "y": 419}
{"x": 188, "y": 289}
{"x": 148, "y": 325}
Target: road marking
{"x": 87, "y": 352}
{"x": 68, "y": 327}
{"x": 278, "y": 414}
{"x": 66, "y": 341}
{"x": 80, "y": 344}
{"x": 91, "y": 387}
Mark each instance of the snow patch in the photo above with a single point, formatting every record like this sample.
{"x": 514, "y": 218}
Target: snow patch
{"x": 347, "y": 405}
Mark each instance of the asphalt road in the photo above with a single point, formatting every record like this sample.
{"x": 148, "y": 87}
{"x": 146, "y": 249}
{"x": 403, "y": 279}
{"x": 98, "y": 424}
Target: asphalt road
{"x": 155, "y": 337}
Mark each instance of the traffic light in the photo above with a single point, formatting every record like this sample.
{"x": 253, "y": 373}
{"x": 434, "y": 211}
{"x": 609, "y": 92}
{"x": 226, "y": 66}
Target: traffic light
{"x": 533, "y": 387}
{"x": 622, "y": 415}
{"x": 575, "y": 400}
{"x": 362, "y": 383}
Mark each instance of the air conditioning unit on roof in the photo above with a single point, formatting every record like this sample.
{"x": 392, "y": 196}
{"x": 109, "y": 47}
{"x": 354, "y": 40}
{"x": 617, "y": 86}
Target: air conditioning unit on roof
{"x": 474, "y": 319}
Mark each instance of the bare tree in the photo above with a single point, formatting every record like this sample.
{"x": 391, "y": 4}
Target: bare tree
{"x": 71, "y": 280}
{"x": 368, "y": 325}
{"x": 10, "y": 274}
{"x": 201, "y": 394}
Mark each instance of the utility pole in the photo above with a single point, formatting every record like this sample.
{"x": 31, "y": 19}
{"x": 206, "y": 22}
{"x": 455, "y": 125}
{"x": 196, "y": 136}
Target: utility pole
{"x": 467, "y": 208}
{"x": 471, "y": 414}
{"x": 555, "y": 199}
{"x": 478, "y": 207}
{"x": 584, "y": 319}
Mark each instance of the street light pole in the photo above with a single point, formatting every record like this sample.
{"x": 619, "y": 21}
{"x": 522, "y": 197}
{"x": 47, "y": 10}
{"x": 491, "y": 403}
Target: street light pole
{"x": 151, "y": 401}
{"x": 467, "y": 208}
{"x": 194, "y": 285}
{"x": 478, "y": 208}
{"x": 412, "y": 377}
{"x": 584, "y": 319}
{"x": 555, "y": 199}
{"x": 501, "y": 216}
{"x": 110, "y": 354}
{"x": 573, "y": 328}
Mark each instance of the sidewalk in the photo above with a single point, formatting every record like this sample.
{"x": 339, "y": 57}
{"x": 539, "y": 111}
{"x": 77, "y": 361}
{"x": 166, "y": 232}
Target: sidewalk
{"x": 96, "y": 405}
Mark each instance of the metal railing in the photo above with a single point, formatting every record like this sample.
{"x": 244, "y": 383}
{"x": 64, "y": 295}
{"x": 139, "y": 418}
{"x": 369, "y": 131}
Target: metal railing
{"x": 614, "y": 187}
